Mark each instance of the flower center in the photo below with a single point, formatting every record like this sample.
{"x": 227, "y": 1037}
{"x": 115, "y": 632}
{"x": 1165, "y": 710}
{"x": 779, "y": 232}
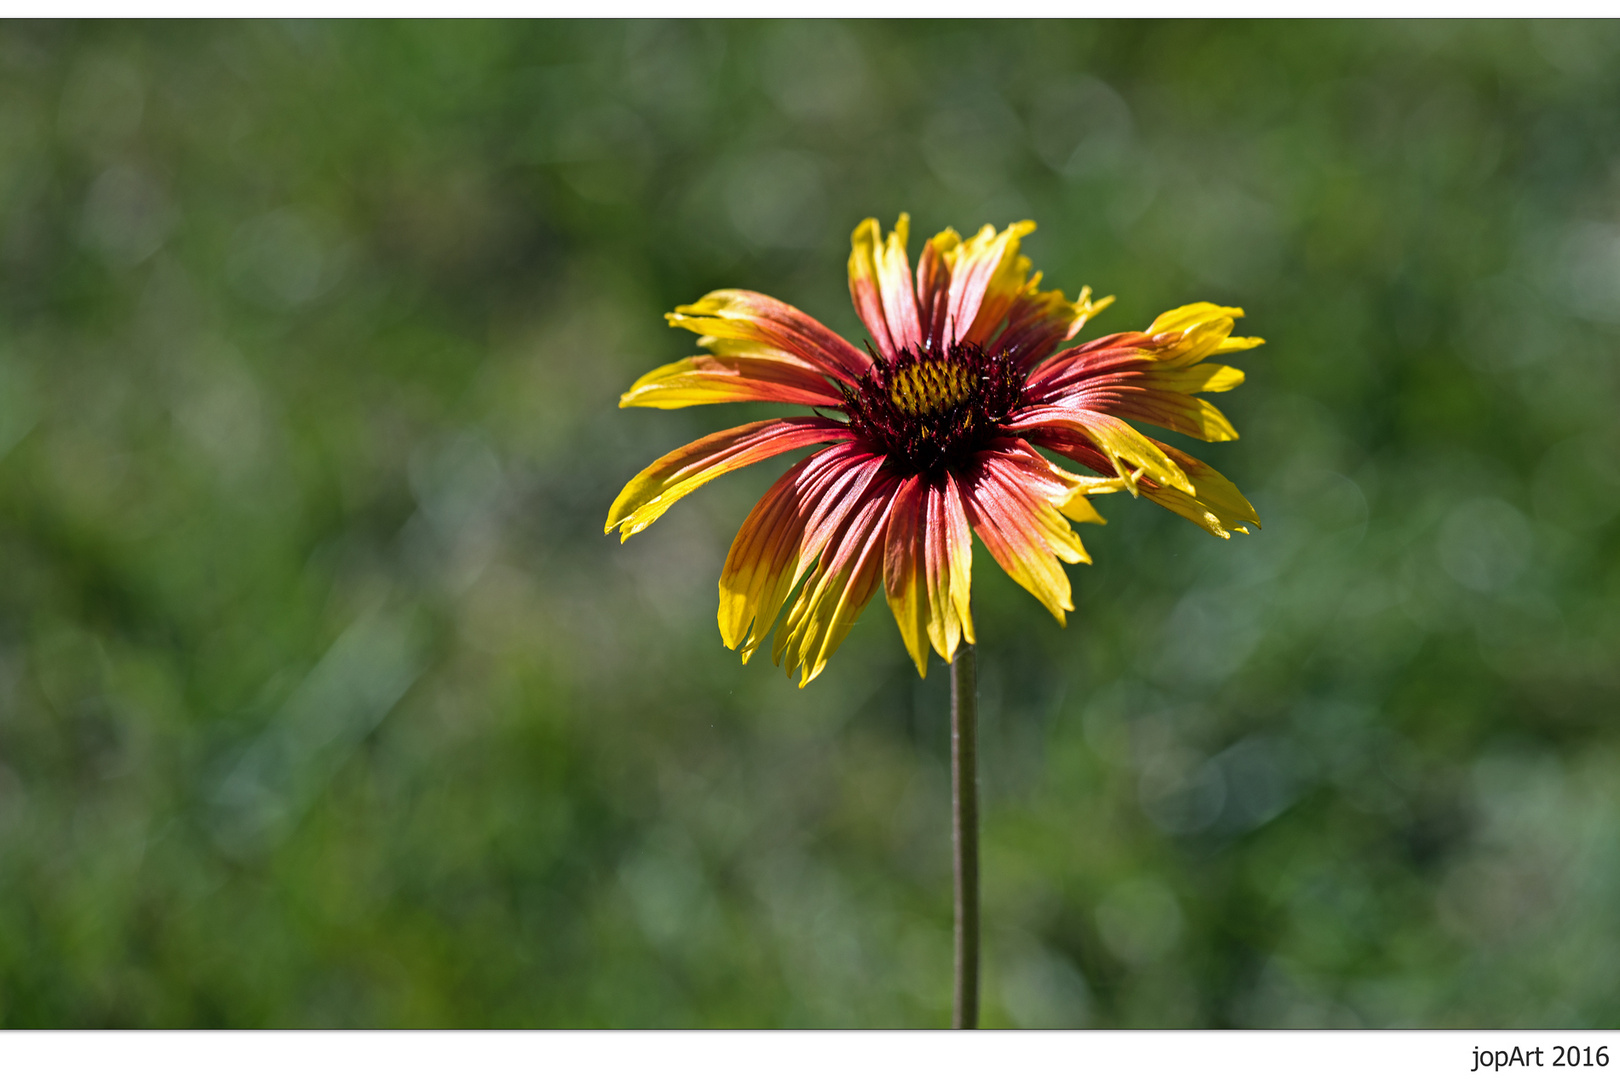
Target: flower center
{"x": 929, "y": 387}
{"x": 933, "y": 407}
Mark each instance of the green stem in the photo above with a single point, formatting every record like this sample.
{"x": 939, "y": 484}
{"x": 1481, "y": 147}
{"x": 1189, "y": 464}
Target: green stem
{"x": 965, "y": 833}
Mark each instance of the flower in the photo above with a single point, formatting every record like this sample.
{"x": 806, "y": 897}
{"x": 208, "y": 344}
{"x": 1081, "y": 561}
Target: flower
{"x": 941, "y": 420}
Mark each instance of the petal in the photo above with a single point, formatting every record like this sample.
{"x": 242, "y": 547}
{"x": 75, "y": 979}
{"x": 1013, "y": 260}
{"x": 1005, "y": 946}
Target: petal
{"x": 739, "y": 315}
{"x": 704, "y": 380}
{"x": 1219, "y": 508}
{"x": 987, "y": 274}
{"x": 1179, "y": 412}
{"x": 846, "y": 575}
{"x": 864, "y": 291}
{"x": 1175, "y": 342}
{"x": 678, "y": 473}
{"x": 1111, "y": 355}
{"x": 1190, "y": 316}
{"x": 1237, "y": 344}
{"x": 783, "y": 534}
{"x": 1134, "y": 398}
{"x": 1199, "y": 379}
{"x": 1074, "y": 446}
{"x": 1150, "y": 377}
{"x": 1188, "y": 334}
{"x": 880, "y": 285}
{"x": 899, "y": 296}
{"x": 1126, "y": 449}
{"x": 934, "y": 285}
{"x": 1062, "y": 488}
{"x": 1010, "y": 503}
{"x": 721, "y": 346}
{"x": 905, "y": 568}
{"x": 928, "y": 567}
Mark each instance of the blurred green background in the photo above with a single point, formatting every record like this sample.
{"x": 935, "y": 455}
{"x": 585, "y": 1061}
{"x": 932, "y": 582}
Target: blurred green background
{"x": 324, "y": 700}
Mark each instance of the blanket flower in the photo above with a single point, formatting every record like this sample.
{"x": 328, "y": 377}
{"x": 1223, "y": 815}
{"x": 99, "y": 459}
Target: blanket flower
{"x": 935, "y": 440}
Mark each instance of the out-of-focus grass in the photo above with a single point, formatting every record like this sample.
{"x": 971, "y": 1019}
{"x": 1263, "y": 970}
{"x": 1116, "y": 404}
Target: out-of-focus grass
{"x": 323, "y": 701}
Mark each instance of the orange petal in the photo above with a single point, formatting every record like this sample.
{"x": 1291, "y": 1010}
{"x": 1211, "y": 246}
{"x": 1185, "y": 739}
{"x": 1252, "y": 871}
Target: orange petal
{"x": 1135, "y": 377}
{"x": 1164, "y": 357}
{"x": 677, "y": 474}
{"x": 1179, "y": 412}
{"x": 740, "y": 315}
{"x": 705, "y": 380}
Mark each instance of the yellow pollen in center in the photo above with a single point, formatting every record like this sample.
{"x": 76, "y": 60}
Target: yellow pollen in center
{"x": 929, "y": 388}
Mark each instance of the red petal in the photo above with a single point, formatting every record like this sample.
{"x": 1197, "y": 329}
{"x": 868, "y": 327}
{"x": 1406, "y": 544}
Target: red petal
{"x": 843, "y": 581}
{"x": 784, "y": 533}
{"x": 927, "y": 569}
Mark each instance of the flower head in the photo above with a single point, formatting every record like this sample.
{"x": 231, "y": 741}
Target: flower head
{"x": 941, "y": 420}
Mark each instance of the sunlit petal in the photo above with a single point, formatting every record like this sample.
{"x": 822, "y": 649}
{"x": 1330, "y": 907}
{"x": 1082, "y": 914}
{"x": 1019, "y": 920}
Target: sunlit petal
{"x": 706, "y": 380}
{"x": 679, "y": 473}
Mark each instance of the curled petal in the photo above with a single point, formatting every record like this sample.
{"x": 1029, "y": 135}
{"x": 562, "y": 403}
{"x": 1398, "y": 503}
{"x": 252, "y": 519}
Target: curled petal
{"x": 846, "y": 575}
{"x": 928, "y": 567}
{"x": 880, "y": 285}
{"x": 1126, "y": 449}
{"x": 743, "y": 316}
{"x": 704, "y": 380}
{"x": 677, "y": 474}
{"x": 966, "y": 289}
{"x": 1063, "y": 489}
{"x": 1184, "y": 318}
{"x": 1219, "y": 507}
{"x": 783, "y": 535}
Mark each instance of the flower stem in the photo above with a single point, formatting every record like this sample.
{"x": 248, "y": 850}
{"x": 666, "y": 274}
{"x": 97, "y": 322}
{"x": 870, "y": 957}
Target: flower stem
{"x": 965, "y": 833}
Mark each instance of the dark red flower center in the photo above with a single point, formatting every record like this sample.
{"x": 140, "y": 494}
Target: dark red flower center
{"x": 933, "y": 407}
